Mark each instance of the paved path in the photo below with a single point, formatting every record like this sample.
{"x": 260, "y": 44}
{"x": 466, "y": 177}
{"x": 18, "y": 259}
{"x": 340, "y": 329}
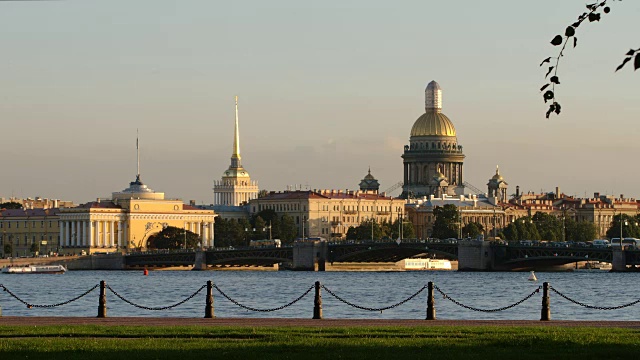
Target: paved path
{"x": 264, "y": 322}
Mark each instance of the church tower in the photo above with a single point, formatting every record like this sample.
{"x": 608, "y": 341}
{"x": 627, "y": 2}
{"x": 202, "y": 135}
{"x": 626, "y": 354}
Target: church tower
{"x": 433, "y": 159}
{"x": 236, "y": 187}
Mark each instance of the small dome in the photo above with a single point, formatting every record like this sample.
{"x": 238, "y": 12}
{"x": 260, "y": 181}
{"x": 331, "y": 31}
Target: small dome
{"x": 497, "y": 177}
{"x": 433, "y": 123}
{"x": 235, "y": 173}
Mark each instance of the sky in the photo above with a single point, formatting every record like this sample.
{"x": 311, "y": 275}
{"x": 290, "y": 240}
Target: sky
{"x": 326, "y": 90}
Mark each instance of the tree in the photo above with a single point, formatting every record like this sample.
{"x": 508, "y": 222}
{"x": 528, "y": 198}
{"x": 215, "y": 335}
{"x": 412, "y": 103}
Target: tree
{"x": 367, "y": 230}
{"x": 522, "y": 229}
{"x": 629, "y": 227}
{"x": 173, "y": 237}
{"x": 447, "y": 221}
{"x": 592, "y": 14}
{"x": 35, "y": 247}
{"x": 580, "y": 231}
{"x": 287, "y": 229}
{"x": 7, "y": 249}
{"x": 10, "y": 205}
{"x": 549, "y": 227}
{"x": 472, "y": 230}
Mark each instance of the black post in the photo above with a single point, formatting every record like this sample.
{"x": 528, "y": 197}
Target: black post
{"x": 546, "y": 312}
{"x": 208, "y": 310}
{"x": 102, "y": 300}
{"x": 431, "y": 303}
{"x": 317, "y": 303}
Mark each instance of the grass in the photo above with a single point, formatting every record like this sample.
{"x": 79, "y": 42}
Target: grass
{"x": 88, "y": 342}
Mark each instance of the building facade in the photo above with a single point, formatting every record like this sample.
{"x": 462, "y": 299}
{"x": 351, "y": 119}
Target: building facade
{"x": 433, "y": 159}
{"x": 20, "y": 229}
{"x": 329, "y": 213}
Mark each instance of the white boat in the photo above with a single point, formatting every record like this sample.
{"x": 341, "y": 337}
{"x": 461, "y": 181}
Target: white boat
{"x": 34, "y": 269}
{"x": 426, "y": 264}
{"x": 532, "y": 277}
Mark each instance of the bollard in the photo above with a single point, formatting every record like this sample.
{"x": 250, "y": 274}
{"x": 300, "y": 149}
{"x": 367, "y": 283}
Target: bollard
{"x": 431, "y": 303}
{"x": 208, "y": 309}
{"x": 317, "y": 303}
{"x": 546, "y": 312}
{"x": 102, "y": 300}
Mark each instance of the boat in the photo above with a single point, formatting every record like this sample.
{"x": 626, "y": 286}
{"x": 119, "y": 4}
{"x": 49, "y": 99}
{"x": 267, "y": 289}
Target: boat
{"x": 532, "y": 276}
{"x": 426, "y": 264}
{"x": 34, "y": 269}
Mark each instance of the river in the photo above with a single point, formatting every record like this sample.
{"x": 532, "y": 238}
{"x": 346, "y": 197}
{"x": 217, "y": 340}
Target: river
{"x": 264, "y": 289}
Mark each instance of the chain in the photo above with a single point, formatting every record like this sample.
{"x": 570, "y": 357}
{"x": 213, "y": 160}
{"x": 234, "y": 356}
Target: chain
{"x": 374, "y": 309}
{"x": 29, "y": 306}
{"x": 157, "y": 308}
{"x": 591, "y": 306}
{"x": 487, "y": 310}
{"x": 262, "y": 310}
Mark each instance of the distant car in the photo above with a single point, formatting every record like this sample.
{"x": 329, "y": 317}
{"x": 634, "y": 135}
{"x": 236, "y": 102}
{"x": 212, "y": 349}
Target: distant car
{"x": 600, "y": 243}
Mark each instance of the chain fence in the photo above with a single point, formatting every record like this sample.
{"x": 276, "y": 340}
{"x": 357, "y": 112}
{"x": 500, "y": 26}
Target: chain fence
{"x": 593, "y": 306}
{"x": 262, "y": 310}
{"x": 370, "y": 308}
{"x": 537, "y": 290}
{"x": 29, "y": 305}
{"x": 159, "y": 307}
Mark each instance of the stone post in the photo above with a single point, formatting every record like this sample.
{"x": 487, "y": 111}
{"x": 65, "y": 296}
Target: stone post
{"x": 317, "y": 303}
{"x": 431, "y": 303}
{"x": 208, "y": 310}
{"x": 546, "y": 311}
{"x": 102, "y": 301}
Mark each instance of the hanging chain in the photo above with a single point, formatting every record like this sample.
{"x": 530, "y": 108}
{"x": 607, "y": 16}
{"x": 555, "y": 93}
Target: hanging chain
{"x": 591, "y": 306}
{"x": 373, "y": 309}
{"x": 263, "y": 310}
{"x": 29, "y": 305}
{"x": 160, "y": 307}
{"x": 486, "y": 310}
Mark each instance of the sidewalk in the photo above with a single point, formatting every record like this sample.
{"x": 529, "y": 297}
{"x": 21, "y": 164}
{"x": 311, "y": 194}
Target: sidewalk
{"x": 265, "y": 322}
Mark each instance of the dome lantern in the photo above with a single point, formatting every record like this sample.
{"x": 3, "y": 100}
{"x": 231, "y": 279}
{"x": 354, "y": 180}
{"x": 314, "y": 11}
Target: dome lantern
{"x": 433, "y": 97}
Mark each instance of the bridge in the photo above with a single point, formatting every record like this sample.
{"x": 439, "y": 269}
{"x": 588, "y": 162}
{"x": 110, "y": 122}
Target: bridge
{"x": 472, "y": 255}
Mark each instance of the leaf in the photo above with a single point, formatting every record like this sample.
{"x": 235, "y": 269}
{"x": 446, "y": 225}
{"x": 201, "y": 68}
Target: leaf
{"x": 544, "y": 87}
{"x": 548, "y": 95}
{"x": 557, "y": 108}
{"x": 594, "y": 17}
{"x": 570, "y": 31}
{"x": 575, "y": 42}
{"x": 554, "y": 79}
{"x": 636, "y": 63}
{"x": 624, "y": 62}
{"x": 549, "y": 72}
{"x": 630, "y": 52}
{"x": 556, "y": 40}
{"x": 547, "y": 60}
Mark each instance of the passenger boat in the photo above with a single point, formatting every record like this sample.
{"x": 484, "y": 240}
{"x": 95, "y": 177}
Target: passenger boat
{"x": 34, "y": 269}
{"x": 426, "y": 264}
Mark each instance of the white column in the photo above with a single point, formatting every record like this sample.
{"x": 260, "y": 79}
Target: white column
{"x": 112, "y": 224}
{"x": 98, "y": 233}
{"x": 104, "y": 234}
{"x": 67, "y": 235}
{"x": 61, "y": 234}
{"x": 87, "y": 233}
{"x": 120, "y": 234}
{"x": 92, "y": 234}
{"x": 74, "y": 233}
{"x": 211, "y": 234}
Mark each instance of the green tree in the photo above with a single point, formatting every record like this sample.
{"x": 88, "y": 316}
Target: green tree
{"x": 35, "y": 247}
{"x": 580, "y": 231}
{"x": 10, "y": 205}
{"x": 8, "y": 250}
{"x": 407, "y": 230}
{"x": 173, "y": 237}
{"x": 629, "y": 227}
{"x": 549, "y": 227}
{"x": 472, "y": 230}
{"x": 447, "y": 222}
{"x": 511, "y": 232}
{"x": 287, "y": 229}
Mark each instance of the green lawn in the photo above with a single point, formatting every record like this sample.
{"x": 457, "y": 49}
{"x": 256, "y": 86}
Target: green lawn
{"x": 192, "y": 342}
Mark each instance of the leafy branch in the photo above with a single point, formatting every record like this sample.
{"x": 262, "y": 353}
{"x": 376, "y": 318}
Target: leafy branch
{"x": 592, "y": 14}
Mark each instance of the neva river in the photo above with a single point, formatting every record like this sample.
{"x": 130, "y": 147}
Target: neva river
{"x": 260, "y": 289}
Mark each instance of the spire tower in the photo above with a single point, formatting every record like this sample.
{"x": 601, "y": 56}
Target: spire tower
{"x": 235, "y": 156}
{"x": 138, "y": 156}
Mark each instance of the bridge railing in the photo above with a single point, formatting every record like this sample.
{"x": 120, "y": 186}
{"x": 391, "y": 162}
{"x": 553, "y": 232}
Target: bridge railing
{"x": 430, "y": 287}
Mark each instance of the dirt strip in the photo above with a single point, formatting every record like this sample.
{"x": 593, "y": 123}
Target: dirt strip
{"x": 266, "y": 322}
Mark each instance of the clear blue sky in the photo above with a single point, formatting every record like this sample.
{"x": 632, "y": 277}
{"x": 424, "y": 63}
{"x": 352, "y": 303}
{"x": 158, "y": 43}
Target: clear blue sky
{"x": 327, "y": 89}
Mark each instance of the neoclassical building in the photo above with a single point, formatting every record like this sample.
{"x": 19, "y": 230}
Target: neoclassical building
{"x": 236, "y": 187}
{"x": 433, "y": 159}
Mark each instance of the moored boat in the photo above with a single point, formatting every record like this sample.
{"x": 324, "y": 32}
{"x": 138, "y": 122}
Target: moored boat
{"x": 34, "y": 269}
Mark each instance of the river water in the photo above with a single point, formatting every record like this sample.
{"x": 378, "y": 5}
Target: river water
{"x": 264, "y": 290}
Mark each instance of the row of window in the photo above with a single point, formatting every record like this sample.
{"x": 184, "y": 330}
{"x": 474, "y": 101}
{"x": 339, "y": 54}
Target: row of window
{"x": 26, "y": 223}
{"x": 17, "y": 239}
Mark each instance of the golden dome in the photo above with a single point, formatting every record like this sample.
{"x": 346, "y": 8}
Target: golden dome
{"x": 433, "y": 123}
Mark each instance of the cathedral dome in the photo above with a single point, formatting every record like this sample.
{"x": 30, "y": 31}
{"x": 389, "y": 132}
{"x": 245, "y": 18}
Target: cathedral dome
{"x": 433, "y": 123}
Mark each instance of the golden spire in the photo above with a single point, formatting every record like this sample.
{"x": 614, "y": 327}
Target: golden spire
{"x": 235, "y": 157}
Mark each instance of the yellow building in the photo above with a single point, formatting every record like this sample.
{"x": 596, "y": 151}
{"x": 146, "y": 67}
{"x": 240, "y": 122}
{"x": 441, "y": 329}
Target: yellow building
{"x": 126, "y": 221}
{"x": 22, "y": 228}
{"x": 329, "y": 213}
